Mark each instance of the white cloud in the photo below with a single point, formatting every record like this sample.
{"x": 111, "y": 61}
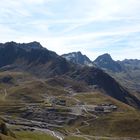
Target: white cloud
{"x": 65, "y": 26}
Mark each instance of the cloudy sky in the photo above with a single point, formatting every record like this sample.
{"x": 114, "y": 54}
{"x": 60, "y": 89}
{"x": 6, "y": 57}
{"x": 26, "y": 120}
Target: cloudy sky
{"x": 93, "y": 27}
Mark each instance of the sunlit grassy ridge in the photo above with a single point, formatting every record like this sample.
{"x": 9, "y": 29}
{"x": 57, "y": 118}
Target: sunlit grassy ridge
{"x": 96, "y": 98}
{"x": 74, "y": 138}
{"x": 4, "y": 137}
{"x": 115, "y": 124}
{"x": 34, "y": 136}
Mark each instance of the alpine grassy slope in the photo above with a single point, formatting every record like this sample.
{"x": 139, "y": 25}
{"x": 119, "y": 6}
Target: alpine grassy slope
{"x": 44, "y": 96}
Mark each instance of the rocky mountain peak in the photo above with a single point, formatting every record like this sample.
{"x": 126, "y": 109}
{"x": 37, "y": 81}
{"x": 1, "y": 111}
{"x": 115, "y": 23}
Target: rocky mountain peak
{"x": 78, "y": 58}
{"x": 105, "y": 61}
{"x": 27, "y": 46}
{"x": 33, "y": 45}
{"x": 104, "y": 57}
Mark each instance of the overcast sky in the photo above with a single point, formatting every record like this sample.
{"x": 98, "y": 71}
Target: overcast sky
{"x": 93, "y": 27}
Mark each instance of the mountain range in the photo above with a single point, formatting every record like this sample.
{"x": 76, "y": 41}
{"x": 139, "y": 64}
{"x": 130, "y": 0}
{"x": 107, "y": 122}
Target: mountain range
{"x": 39, "y": 61}
{"x": 47, "y": 96}
{"x": 126, "y": 72}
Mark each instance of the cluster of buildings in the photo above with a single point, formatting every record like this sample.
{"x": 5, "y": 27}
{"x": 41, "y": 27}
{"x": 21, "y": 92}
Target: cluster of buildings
{"x": 55, "y": 101}
{"x": 105, "y": 108}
